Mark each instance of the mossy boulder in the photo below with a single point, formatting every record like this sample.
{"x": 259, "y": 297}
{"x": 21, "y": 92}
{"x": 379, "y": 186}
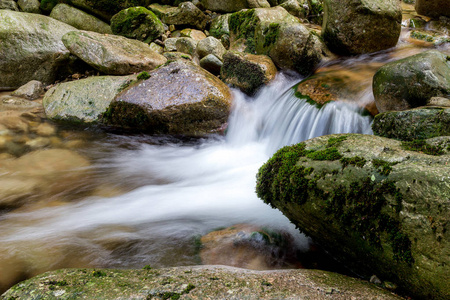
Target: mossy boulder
{"x": 413, "y": 124}
{"x": 186, "y": 14}
{"x": 30, "y": 48}
{"x": 433, "y": 8}
{"x": 376, "y": 206}
{"x": 219, "y": 26}
{"x": 228, "y": 6}
{"x": 246, "y": 71}
{"x": 179, "y": 98}
{"x": 112, "y": 54}
{"x": 361, "y": 26}
{"x": 79, "y": 19}
{"x": 412, "y": 81}
{"x": 83, "y": 101}
{"x": 281, "y": 36}
{"x": 197, "y": 282}
{"x": 9, "y": 4}
{"x": 105, "y": 9}
{"x": 29, "y": 6}
{"x": 295, "y": 8}
{"x": 137, "y": 23}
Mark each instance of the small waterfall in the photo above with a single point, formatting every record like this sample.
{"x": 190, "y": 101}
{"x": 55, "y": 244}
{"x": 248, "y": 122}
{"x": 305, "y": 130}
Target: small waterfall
{"x": 185, "y": 190}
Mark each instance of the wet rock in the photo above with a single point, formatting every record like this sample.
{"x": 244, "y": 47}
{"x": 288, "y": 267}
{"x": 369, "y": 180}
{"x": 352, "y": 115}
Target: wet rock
{"x": 412, "y": 81}
{"x": 431, "y": 37}
{"x": 219, "y": 26}
{"x": 185, "y": 14}
{"x": 197, "y": 282}
{"x": 412, "y": 124}
{"x": 119, "y": 55}
{"x": 137, "y": 23}
{"x": 210, "y": 45}
{"x": 83, "y": 100}
{"x": 38, "y": 143}
{"x": 29, "y": 6}
{"x": 379, "y": 205}
{"x": 9, "y": 4}
{"x": 193, "y": 34}
{"x": 30, "y": 48}
{"x": 31, "y": 90}
{"x": 13, "y": 121}
{"x": 227, "y": 6}
{"x": 17, "y": 104}
{"x": 79, "y": 19}
{"x": 355, "y": 27}
{"x": 45, "y": 129}
{"x": 246, "y": 71}
{"x": 211, "y": 64}
{"x": 185, "y": 99}
{"x": 433, "y": 8}
{"x": 281, "y": 36}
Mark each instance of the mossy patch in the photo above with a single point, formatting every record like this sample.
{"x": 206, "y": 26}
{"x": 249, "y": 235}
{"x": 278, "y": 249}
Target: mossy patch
{"x": 422, "y": 146}
{"x": 384, "y": 167}
{"x": 243, "y": 25}
{"x": 271, "y": 34}
{"x": 143, "y": 76}
{"x": 355, "y": 161}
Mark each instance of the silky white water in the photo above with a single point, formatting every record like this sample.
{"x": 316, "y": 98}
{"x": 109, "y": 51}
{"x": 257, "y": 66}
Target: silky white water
{"x": 184, "y": 190}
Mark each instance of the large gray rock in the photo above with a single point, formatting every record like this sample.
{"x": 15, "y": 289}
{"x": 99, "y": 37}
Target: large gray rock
{"x": 185, "y": 14}
{"x": 9, "y": 4}
{"x": 79, "y": 19}
{"x": 29, "y": 6}
{"x": 83, "y": 101}
{"x": 180, "y": 98}
{"x": 281, "y": 36}
{"x": 433, "y": 8}
{"x": 227, "y": 6}
{"x": 137, "y": 23}
{"x": 210, "y": 45}
{"x": 30, "y": 48}
{"x": 196, "y": 282}
{"x": 112, "y": 54}
{"x": 412, "y": 124}
{"x": 361, "y": 26}
{"x": 246, "y": 71}
{"x": 412, "y": 81}
{"x": 376, "y": 206}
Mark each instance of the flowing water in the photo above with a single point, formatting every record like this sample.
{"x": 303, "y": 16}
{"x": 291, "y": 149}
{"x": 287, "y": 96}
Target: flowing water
{"x": 163, "y": 192}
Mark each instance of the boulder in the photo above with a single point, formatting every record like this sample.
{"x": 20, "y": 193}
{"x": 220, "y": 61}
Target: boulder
{"x": 193, "y": 34}
{"x": 196, "y": 282}
{"x": 246, "y": 71}
{"x": 170, "y": 44}
{"x": 30, "y": 48}
{"x": 29, "y": 6}
{"x": 227, "y": 6}
{"x": 362, "y": 26}
{"x": 185, "y": 14}
{"x": 84, "y": 100}
{"x": 137, "y": 23}
{"x": 9, "y": 4}
{"x": 179, "y": 98}
{"x": 210, "y": 45}
{"x": 433, "y": 8}
{"x": 31, "y": 90}
{"x": 413, "y": 124}
{"x": 211, "y": 64}
{"x": 412, "y": 81}
{"x": 79, "y": 19}
{"x": 281, "y": 36}
{"x": 186, "y": 45}
{"x": 111, "y": 54}
{"x": 105, "y": 9}
{"x": 219, "y": 26}
{"x": 378, "y": 205}
{"x": 294, "y": 8}
{"x": 171, "y": 56}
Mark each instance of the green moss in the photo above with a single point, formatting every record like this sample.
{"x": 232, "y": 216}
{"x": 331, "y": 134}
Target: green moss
{"x": 147, "y": 267}
{"x": 326, "y": 154}
{"x": 243, "y": 25}
{"x": 355, "y": 161}
{"x": 422, "y": 146}
{"x": 98, "y": 273}
{"x": 423, "y": 36}
{"x": 384, "y": 167}
{"x": 308, "y": 99}
{"x": 271, "y": 34}
{"x": 143, "y": 76}
{"x": 336, "y": 141}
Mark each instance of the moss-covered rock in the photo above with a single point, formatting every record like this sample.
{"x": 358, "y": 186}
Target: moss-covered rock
{"x": 186, "y": 14}
{"x": 198, "y": 282}
{"x": 29, "y": 6}
{"x": 9, "y": 4}
{"x": 79, "y": 19}
{"x": 412, "y": 81}
{"x": 219, "y": 26}
{"x": 412, "y": 124}
{"x": 30, "y": 48}
{"x": 106, "y": 8}
{"x": 281, "y": 36}
{"x": 137, "y": 23}
{"x": 433, "y": 8}
{"x": 246, "y": 71}
{"x": 373, "y": 204}
{"x": 111, "y": 54}
{"x": 179, "y": 98}
{"x": 228, "y": 6}
{"x": 355, "y": 27}
{"x": 295, "y": 8}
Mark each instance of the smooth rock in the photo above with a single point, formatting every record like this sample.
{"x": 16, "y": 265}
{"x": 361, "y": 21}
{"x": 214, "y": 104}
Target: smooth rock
{"x": 210, "y": 45}
{"x": 83, "y": 100}
{"x": 29, "y": 6}
{"x": 433, "y": 8}
{"x": 31, "y": 90}
{"x": 186, "y": 45}
{"x": 79, "y": 19}
{"x": 374, "y": 205}
{"x": 185, "y": 14}
{"x": 170, "y": 44}
{"x": 193, "y": 34}
{"x": 179, "y": 98}
{"x": 246, "y": 71}
{"x": 211, "y": 64}
{"x": 361, "y": 26}
{"x": 137, "y": 23}
{"x": 110, "y": 54}
{"x": 412, "y": 81}
{"x": 30, "y": 48}
{"x": 9, "y": 4}
{"x": 412, "y": 124}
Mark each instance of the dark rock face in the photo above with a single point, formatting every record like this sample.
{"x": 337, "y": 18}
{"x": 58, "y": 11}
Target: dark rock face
{"x": 413, "y": 124}
{"x": 433, "y": 8}
{"x": 377, "y": 206}
{"x": 180, "y": 98}
{"x": 361, "y": 26}
{"x": 412, "y": 81}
